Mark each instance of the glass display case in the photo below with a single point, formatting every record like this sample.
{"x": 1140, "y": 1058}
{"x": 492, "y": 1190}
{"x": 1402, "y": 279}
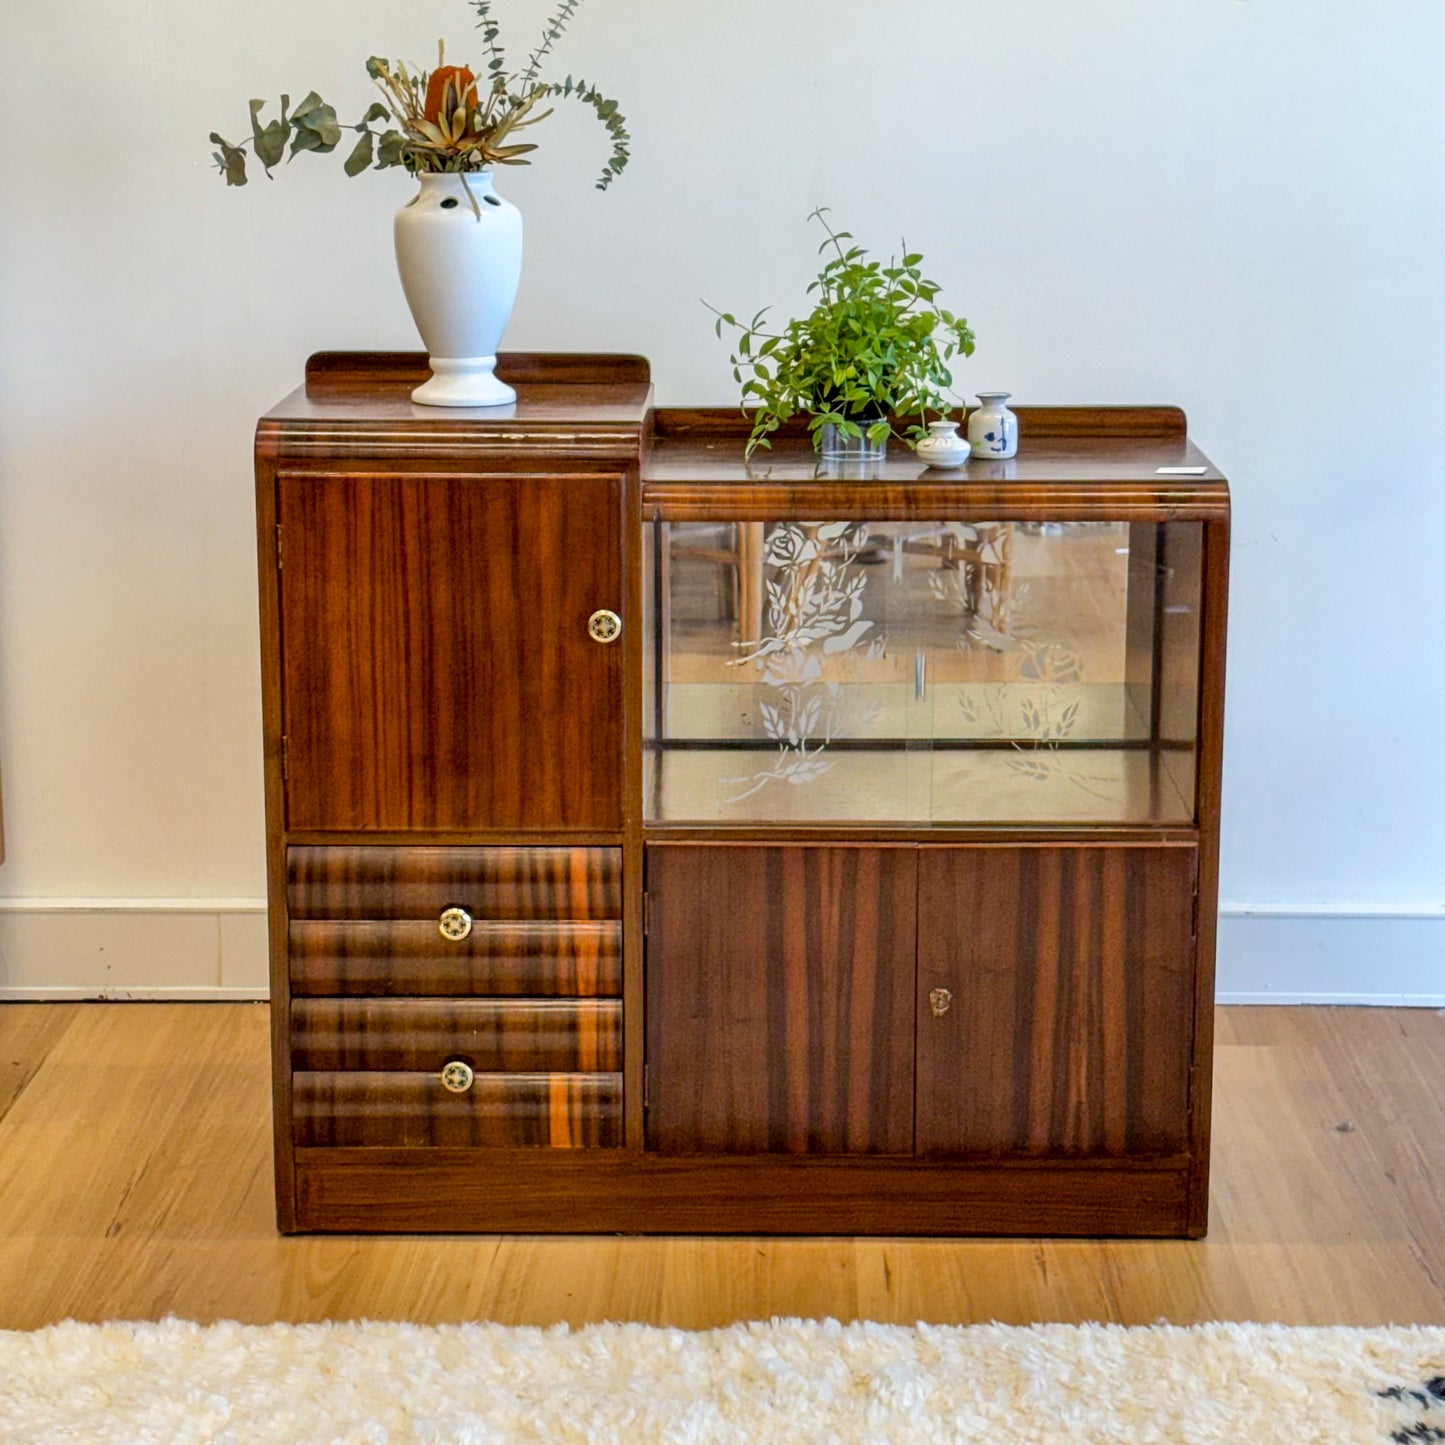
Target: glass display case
{"x": 924, "y": 673}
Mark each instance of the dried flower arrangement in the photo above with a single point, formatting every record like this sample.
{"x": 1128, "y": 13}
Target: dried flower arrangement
{"x": 446, "y": 120}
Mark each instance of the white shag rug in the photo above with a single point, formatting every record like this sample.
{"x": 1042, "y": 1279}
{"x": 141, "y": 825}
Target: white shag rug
{"x": 788, "y": 1381}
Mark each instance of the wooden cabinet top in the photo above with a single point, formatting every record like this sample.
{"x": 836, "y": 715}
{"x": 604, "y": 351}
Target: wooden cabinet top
{"x": 1075, "y": 463}
{"x": 358, "y": 404}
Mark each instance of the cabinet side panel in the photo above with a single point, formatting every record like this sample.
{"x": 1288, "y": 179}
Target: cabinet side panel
{"x": 1064, "y": 1024}
{"x": 780, "y": 998}
{"x": 438, "y": 672}
{"x": 1209, "y": 782}
{"x": 268, "y": 564}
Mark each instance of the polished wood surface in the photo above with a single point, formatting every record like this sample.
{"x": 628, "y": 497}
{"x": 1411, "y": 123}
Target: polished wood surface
{"x": 344, "y": 373}
{"x": 414, "y": 565}
{"x": 357, "y": 405}
{"x": 499, "y": 1111}
{"x": 780, "y": 993}
{"x": 135, "y": 1154}
{"x": 437, "y": 670}
{"x": 1036, "y": 423}
{"x": 1208, "y": 792}
{"x": 492, "y": 883}
{"x": 408, "y": 957}
{"x": 1066, "y": 1020}
{"x": 350, "y": 1190}
{"x": 524, "y": 1035}
{"x": 577, "y": 420}
{"x": 696, "y": 471}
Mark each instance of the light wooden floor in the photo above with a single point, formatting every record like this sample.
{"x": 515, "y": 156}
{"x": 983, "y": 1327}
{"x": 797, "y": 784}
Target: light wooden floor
{"x": 135, "y": 1181}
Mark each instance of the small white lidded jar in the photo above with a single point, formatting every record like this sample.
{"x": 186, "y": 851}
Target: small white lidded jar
{"x": 942, "y": 447}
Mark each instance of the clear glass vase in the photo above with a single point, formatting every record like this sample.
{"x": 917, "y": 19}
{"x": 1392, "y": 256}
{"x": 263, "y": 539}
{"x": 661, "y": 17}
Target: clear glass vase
{"x": 834, "y": 447}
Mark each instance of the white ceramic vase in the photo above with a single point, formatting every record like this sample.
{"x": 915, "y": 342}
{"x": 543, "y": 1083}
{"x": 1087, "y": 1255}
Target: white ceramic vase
{"x": 993, "y": 430}
{"x": 942, "y": 447}
{"x": 459, "y": 270}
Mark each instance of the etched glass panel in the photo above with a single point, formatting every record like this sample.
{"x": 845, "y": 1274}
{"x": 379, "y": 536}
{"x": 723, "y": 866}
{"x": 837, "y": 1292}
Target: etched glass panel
{"x": 922, "y": 673}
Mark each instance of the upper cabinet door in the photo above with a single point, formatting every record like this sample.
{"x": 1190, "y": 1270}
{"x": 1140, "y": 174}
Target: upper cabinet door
{"x": 437, "y": 666}
{"x": 1056, "y": 999}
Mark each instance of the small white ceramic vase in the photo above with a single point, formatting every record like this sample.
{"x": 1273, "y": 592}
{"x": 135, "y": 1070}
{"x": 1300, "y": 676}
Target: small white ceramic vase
{"x": 942, "y": 447}
{"x": 993, "y": 430}
{"x": 459, "y": 270}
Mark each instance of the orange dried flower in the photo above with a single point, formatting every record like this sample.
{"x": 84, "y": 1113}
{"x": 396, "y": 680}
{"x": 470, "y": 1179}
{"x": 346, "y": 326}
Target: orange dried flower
{"x": 463, "y": 85}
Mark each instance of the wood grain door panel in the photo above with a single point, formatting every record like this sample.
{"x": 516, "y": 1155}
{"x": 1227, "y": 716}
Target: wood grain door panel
{"x": 780, "y": 999}
{"x": 437, "y": 671}
{"x": 1068, "y": 1028}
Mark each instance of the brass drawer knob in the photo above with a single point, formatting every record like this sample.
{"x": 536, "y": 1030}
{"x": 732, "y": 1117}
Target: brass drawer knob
{"x": 604, "y": 626}
{"x": 457, "y": 1077}
{"x": 940, "y": 1000}
{"x": 455, "y": 923}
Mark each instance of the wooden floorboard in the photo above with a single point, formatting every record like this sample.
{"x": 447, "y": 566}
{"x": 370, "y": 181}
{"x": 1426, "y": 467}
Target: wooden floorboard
{"x": 26, "y": 1038}
{"x": 135, "y": 1182}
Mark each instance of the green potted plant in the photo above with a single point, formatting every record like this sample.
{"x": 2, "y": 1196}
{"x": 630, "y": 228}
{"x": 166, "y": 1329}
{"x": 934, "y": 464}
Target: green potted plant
{"x": 876, "y": 345}
{"x": 458, "y": 243}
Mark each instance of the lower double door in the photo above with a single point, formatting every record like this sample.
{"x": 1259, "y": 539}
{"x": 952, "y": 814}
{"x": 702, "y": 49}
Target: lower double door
{"x": 929, "y": 1000}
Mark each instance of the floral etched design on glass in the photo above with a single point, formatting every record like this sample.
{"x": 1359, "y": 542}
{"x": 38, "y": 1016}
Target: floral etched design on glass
{"x": 814, "y": 602}
{"x": 1038, "y": 711}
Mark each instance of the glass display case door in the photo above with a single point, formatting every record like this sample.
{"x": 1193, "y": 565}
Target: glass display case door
{"x": 923, "y": 673}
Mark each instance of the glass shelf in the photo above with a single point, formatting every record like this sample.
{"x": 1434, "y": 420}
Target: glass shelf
{"x": 922, "y": 673}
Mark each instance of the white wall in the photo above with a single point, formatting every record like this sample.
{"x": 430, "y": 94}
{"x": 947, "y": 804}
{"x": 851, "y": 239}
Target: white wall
{"x": 1236, "y": 205}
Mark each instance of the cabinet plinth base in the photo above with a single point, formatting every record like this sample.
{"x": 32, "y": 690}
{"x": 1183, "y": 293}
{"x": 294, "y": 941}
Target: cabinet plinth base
{"x": 519, "y": 1191}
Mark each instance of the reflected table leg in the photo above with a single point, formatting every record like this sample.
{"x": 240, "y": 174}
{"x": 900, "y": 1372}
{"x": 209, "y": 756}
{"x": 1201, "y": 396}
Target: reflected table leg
{"x": 750, "y": 580}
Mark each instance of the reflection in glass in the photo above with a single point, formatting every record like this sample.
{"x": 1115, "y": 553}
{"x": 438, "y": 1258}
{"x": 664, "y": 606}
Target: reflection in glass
{"x": 920, "y": 673}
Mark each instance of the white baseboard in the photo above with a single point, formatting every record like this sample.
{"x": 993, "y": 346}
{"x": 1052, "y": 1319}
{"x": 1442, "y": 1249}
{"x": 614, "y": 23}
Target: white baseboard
{"x": 1332, "y": 954}
{"x": 133, "y": 948}
{"x": 193, "y": 949}
{"x": 164, "y": 993}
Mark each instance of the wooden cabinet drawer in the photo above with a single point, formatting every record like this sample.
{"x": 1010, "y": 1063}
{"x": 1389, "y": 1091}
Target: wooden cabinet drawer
{"x": 408, "y": 957}
{"x": 413, "y": 1110}
{"x": 490, "y": 883}
{"x": 507, "y": 1035}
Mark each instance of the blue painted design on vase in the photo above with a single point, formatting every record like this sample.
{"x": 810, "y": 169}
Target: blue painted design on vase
{"x": 993, "y": 428}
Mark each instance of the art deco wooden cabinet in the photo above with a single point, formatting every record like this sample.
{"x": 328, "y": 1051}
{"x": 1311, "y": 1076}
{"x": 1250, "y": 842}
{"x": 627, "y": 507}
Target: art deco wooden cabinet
{"x": 659, "y": 843}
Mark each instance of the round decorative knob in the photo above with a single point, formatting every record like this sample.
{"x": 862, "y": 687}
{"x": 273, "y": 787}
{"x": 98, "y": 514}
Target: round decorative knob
{"x": 455, "y": 923}
{"x": 940, "y": 1000}
{"x": 457, "y": 1077}
{"x": 604, "y": 626}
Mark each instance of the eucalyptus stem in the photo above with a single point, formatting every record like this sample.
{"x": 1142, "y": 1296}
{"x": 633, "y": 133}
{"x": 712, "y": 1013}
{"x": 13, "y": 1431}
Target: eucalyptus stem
{"x": 550, "y": 35}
